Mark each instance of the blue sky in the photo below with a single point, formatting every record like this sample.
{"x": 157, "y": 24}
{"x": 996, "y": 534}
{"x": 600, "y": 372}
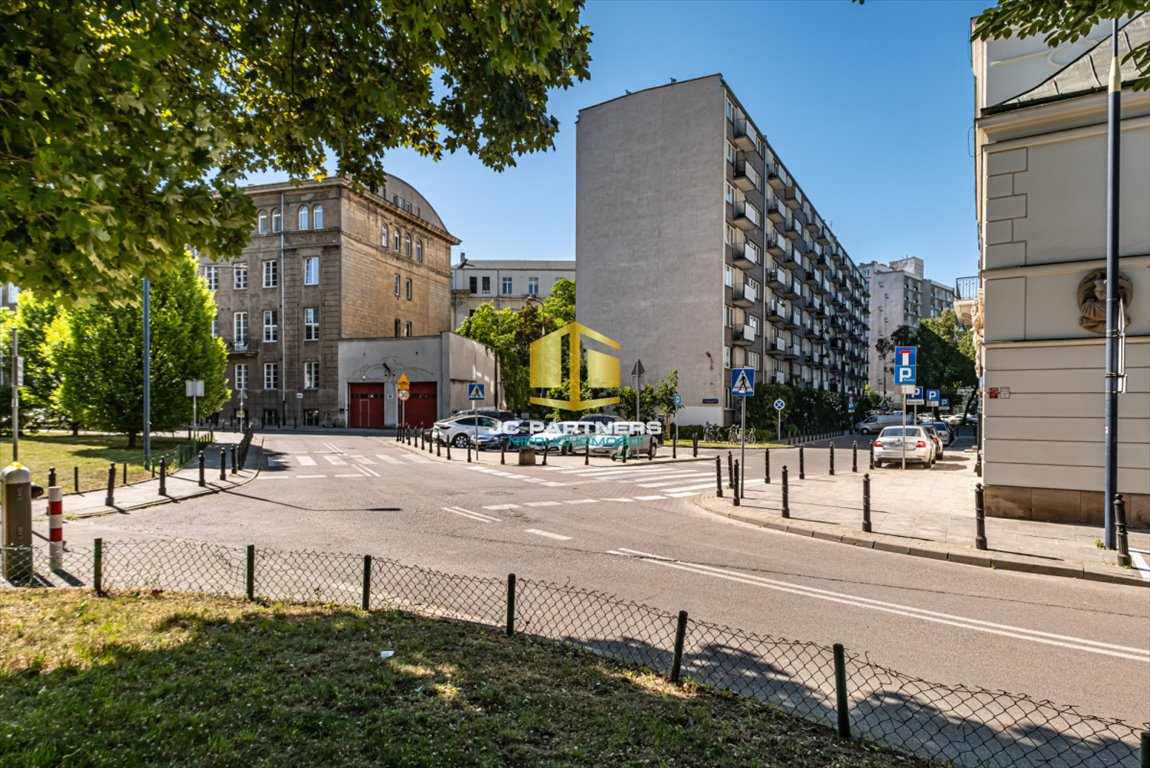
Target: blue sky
{"x": 870, "y": 107}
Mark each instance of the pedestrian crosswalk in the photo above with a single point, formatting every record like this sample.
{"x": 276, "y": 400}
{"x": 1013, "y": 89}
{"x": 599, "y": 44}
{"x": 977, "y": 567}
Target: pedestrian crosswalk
{"x": 341, "y": 465}
{"x": 651, "y": 482}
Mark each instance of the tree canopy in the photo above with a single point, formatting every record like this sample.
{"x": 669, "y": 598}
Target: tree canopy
{"x": 945, "y": 353}
{"x": 1063, "y": 21}
{"x": 127, "y": 127}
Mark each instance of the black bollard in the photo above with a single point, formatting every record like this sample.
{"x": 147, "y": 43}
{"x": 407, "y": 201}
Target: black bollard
{"x": 695, "y": 447}
{"x": 468, "y": 451}
{"x": 110, "y": 499}
{"x": 730, "y": 471}
{"x": 767, "y": 465}
{"x": 866, "y": 503}
{"x": 223, "y": 463}
{"x": 871, "y": 454}
{"x": 124, "y": 476}
{"x": 737, "y": 483}
{"x": 718, "y": 477}
{"x": 979, "y": 518}
{"x": 1120, "y": 531}
{"x": 76, "y": 479}
{"x": 235, "y": 465}
{"x": 854, "y": 456}
{"x": 832, "y": 457}
{"x": 587, "y": 452}
{"x": 802, "y": 465}
{"x": 448, "y": 450}
{"x": 201, "y": 461}
{"x": 544, "y": 455}
{"x": 438, "y": 449}
{"x": 51, "y": 477}
{"x": 675, "y": 445}
{"x": 786, "y": 494}
{"x": 163, "y": 476}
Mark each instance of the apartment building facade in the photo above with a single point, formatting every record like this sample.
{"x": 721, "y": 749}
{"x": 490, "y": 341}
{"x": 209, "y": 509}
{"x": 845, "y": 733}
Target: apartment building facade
{"x": 326, "y": 264}
{"x": 698, "y": 251}
{"x": 1041, "y": 133}
{"x": 900, "y": 294}
{"x": 507, "y": 283}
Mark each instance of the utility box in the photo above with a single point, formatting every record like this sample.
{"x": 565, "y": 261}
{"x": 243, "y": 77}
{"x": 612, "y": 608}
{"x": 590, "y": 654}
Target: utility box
{"x": 17, "y": 522}
{"x": 526, "y": 455}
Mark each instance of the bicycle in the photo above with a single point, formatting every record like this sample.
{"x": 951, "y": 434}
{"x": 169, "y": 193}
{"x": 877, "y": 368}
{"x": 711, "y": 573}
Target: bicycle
{"x": 734, "y": 434}
{"x": 712, "y": 433}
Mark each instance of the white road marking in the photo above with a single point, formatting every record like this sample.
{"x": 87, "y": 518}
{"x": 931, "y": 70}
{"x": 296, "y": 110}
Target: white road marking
{"x": 309, "y": 477}
{"x": 700, "y": 487}
{"x": 305, "y": 461}
{"x": 367, "y": 471}
{"x": 643, "y": 554}
{"x": 649, "y": 498}
{"x": 362, "y": 459}
{"x": 547, "y": 534}
{"x": 1140, "y": 565}
{"x": 540, "y": 503}
{"x": 353, "y": 474}
{"x": 582, "y": 501}
{"x": 554, "y": 485}
{"x": 976, "y": 625}
{"x": 680, "y": 494}
{"x": 389, "y": 459}
{"x": 331, "y": 447}
{"x": 620, "y": 500}
{"x": 418, "y": 459}
{"x": 274, "y": 477}
{"x": 502, "y": 506}
{"x": 477, "y": 516}
{"x": 335, "y": 460}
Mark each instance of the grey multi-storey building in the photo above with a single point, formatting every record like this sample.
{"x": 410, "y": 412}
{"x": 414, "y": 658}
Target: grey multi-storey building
{"x": 899, "y": 295}
{"x": 698, "y": 251}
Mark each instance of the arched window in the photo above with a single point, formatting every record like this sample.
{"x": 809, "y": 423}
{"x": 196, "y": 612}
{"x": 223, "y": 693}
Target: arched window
{"x": 383, "y": 235}
{"x": 303, "y": 217}
{"x": 407, "y": 246}
{"x": 263, "y": 223}
{"x": 395, "y": 240}
{"x": 419, "y": 250}
{"x": 317, "y": 217}
{"x": 277, "y": 220}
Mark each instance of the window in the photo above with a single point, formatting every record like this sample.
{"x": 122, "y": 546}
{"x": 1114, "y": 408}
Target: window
{"x": 271, "y": 327}
{"x": 729, "y": 193}
{"x": 262, "y": 226}
{"x": 726, "y": 357}
{"x": 407, "y": 246}
{"x": 753, "y": 360}
{"x": 383, "y": 235}
{"x": 395, "y": 240}
{"x": 317, "y": 217}
{"x": 215, "y": 326}
{"x": 753, "y": 322}
{"x": 408, "y": 328}
{"x": 241, "y": 376}
{"x": 311, "y": 324}
{"x": 486, "y": 283}
{"x": 398, "y": 327}
{"x": 303, "y": 217}
{"x": 407, "y": 288}
{"x": 240, "y": 277}
{"x": 240, "y": 329}
{"x": 419, "y": 251}
{"x": 473, "y": 284}
{"x": 271, "y": 376}
{"x": 730, "y": 238}
{"x": 311, "y": 270}
{"x": 505, "y": 289}
{"x": 271, "y": 274}
{"x": 533, "y": 286}
{"x": 212, "y": 275}
{"x": 729, "y": 317}
{"x": 730, "y": 110}
{"x": 728, "y": 277}
{"x": 277, "y": 220}
{"x": 311, "y": 375}
{"x": 397, "y": 286}
{"x": 730, "y": 153}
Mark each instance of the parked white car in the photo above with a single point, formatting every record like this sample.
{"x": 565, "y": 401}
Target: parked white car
{"x": 459, "y": 430}
{"x": 893, "y": 443}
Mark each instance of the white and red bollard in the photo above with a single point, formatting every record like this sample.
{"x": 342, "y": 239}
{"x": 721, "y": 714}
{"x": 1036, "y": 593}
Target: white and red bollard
{"x": 55, "y": 527}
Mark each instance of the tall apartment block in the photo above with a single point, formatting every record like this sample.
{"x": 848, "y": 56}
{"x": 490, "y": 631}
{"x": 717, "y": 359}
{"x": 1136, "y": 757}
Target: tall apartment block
{"x": 899, "y": 295}
{"x": 697, "y": 250}
{"x": 325, "y": 264}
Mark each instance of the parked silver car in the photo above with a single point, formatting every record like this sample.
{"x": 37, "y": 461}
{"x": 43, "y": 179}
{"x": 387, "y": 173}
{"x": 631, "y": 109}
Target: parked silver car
{"x": 893, "y": 443}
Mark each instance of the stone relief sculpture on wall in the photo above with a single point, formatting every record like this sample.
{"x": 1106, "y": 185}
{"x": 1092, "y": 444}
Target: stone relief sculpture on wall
{"x": 1092, "y": 299}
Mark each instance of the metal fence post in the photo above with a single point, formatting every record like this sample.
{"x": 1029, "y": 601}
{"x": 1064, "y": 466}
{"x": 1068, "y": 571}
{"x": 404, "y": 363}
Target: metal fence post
{"x": 866, "y": 503}
{"x": 979, "y": 518}
{"x": 510, "y": 604}
{"x": 832, "y": 458}
{"x": 163, "y": 476}
{"x": 844, "y": 721}
{"x": 365, "y": 603}
{"x": 223, "y": 463}
{"x": 680, "y": 636}
{"x": 767, "y": 466}
{"x": 98, "y": 567}
{"x": 250, "y": 577}
{"x": 1120, "y": 531}
{"x": 719, "y": 477}
{"x": 802, "y": 465}
{"x": 854, "y": 456}
{"x": 736, "y": 483}
{"x": 110, "y": 499}
{"x": 786, "y": 494}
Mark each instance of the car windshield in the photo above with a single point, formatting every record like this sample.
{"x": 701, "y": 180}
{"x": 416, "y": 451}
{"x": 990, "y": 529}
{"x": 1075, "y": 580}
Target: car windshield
{"x": 899, "y": 432}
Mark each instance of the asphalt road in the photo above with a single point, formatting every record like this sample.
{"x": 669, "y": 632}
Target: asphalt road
{"x": 632, "y": 532}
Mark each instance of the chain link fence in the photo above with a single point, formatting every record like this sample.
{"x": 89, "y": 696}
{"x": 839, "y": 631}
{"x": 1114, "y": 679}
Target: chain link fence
{"x": 961, "y": 725}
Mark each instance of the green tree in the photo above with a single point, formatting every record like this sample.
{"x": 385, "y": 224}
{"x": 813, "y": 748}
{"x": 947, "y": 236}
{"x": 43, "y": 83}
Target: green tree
{"x": 502, "y": 331}
{"x": 98, "y": 353}
{"x": 33, "y": 318}
{"x": 1063, "y": 21}
{"x": 126, "y": 127}
{"x": 559, "y": 307}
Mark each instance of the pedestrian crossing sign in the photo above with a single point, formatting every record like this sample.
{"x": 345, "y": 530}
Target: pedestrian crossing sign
{"x": 475, "y": 392}
{"x": 743, "y": 382}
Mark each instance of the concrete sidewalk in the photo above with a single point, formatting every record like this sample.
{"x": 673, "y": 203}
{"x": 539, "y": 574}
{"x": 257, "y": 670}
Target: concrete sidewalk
{"x": 922, "y": 513}
{"x": 183, "y": 483}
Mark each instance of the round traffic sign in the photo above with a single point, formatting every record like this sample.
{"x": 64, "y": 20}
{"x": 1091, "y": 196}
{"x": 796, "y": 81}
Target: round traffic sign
{"x": 780, "y": 405}
{"x": 678, "y": 400}
{"x": 404, "y": 394}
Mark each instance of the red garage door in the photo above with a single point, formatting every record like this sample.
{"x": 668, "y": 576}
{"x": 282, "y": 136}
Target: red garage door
{"x": 421, "y": 407}
{"x": 366, "y": 402}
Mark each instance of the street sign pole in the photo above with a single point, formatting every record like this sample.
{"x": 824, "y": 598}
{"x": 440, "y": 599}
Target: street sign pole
{"x": 903, "y": 441}
{"x": 742, "y": 447}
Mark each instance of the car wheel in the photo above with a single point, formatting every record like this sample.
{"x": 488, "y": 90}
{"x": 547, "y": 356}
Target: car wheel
{"x": 864, "y": 431}
{"x": 652, "y": 450}
{"x": 877, "y": 464}
{"x": 460, "y": 440}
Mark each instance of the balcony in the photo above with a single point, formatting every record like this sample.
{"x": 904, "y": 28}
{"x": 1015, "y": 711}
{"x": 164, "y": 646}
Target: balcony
{"x": 777, "y": 278}
{"x": 793, "y": 321}
{"x": 744, "y": 136}
{"x": 822, "y": 237}
{"x": 813, "y": 224}
{"x": 777, "y": 177}
{"x": 744, "y": 296}
{"x": 777, "y": 245}
{"x": 792, "y": 290}
{"x": 743, "y": 337}
{"x": 747, "y": 216}
{"x": 793, "y": 352}
{"x": 776, "y": 347}
{"x": 776, "y": 211}
{"x": 778, "y": 377}
{"x": 243, "y": 347}
{"x": 793, "y": 197}
{"x": 746, "y": 256}
{"x": 776, "y": 312}
{"x": 811, "y": 278}
{"x": 746, "y": 177}
{"x": 793, "y": 229}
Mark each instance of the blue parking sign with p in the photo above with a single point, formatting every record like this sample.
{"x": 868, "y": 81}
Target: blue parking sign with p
{"x": 904, "y": 374}
{"x": 932, "y": 396}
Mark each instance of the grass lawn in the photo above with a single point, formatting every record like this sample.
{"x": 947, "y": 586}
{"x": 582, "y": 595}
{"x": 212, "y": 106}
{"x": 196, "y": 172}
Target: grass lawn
{"x": 165, "y": 680}
{"x": 91, "y": 452}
